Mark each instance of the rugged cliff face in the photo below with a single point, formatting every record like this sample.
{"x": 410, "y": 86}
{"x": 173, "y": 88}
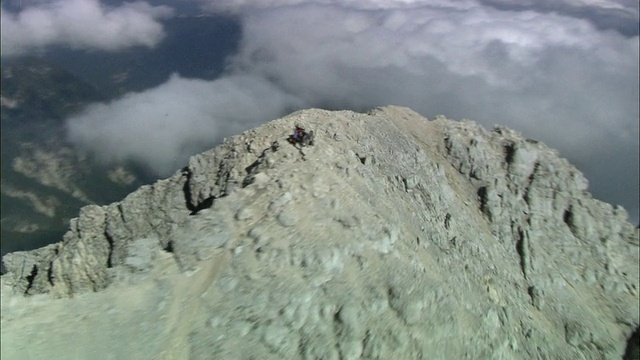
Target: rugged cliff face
{"x": 391, "y": 237}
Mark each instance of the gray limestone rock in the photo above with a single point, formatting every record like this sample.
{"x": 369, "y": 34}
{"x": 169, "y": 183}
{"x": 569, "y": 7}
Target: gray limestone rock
{"x": 392, "y": 237}
{"x": 142, "y": 254}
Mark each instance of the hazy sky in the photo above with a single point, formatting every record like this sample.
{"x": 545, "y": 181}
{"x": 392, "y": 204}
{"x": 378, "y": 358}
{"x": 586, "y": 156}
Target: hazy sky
{"x": 561, "y": 71}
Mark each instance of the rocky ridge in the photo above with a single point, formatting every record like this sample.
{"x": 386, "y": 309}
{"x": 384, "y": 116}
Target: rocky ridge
{"x": 391, "y": 237}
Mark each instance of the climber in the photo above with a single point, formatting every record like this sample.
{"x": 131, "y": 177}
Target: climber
{"x": 300, "y": 136}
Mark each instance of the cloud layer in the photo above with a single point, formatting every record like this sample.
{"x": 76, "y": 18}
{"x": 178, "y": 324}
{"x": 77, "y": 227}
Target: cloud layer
{"x": 618, "y": 15}
{"x": 555, "y": 76}
{"x": 162, "y": 127}
{"x": 82, "y": 24}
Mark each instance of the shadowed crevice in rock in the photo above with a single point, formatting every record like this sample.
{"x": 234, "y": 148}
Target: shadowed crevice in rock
{"x": 111, "y": 249}
{"x": 169, "y": 247}
{"x": 50, "y": 274}
{"x": 521, "y": 249}
{"x": 509, "y": 153}
{"x": 530, "y": 179}
{"x": 483, "y": 200}
{"x": 31, "y": 278}
{"x": 632, "y": 351}
{"x": 568, "y": 218}
{"x": 256, "y": 166}
{"x": 205, "y": 204}
{"x": 186, "y": 189}
{"x": 250, "y": 171}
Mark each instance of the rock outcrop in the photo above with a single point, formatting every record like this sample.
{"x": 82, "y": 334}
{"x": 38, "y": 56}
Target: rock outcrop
{"x": 393, "y": 237}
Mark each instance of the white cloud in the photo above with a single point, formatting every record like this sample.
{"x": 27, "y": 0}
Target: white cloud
{"x": 555, "y": 77}
{"x": 82, "y": 24}
{"x": 162, "y": 127}
{"x": 627, "y": 6}
{"x": 617, "y": 15}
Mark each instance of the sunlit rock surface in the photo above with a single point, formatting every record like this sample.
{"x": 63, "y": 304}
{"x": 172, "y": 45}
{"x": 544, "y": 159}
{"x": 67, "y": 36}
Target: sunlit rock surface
{"x": 393, "y": 237}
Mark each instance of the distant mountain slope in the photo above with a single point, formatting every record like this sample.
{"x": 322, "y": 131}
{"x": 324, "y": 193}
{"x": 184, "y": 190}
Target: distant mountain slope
{"x": 35, "y": 90}
{"x": 393, "y": 237}
{"x": 207, "y": 40}
{"x": 45, "y": 180}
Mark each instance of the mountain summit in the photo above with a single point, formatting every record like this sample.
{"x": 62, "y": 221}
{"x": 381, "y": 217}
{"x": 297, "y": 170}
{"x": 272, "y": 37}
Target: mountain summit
{"x": 392, "y": 237}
